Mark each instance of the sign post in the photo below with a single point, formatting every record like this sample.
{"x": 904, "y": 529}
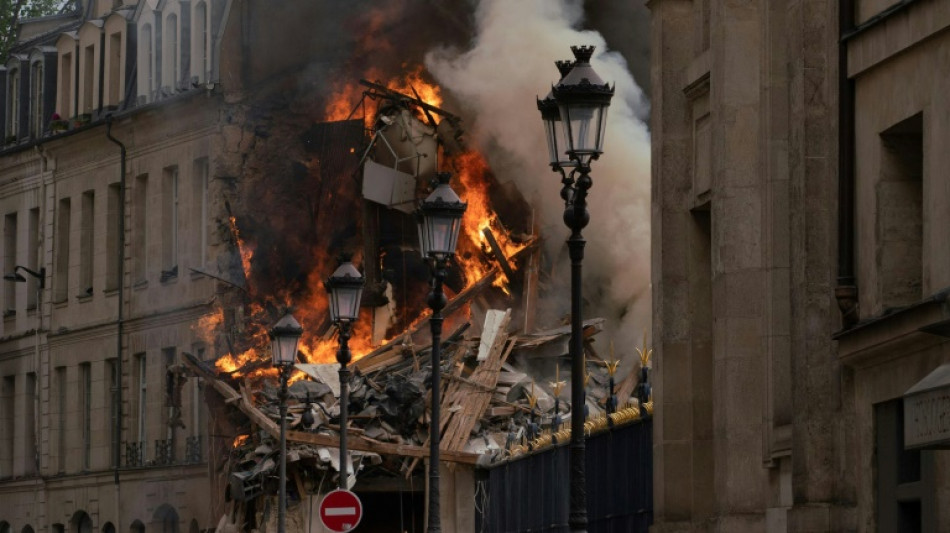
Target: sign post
{"x": 340, "y": 510}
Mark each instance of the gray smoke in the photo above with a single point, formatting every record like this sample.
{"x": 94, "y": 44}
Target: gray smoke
{"x": 496, "y": 80}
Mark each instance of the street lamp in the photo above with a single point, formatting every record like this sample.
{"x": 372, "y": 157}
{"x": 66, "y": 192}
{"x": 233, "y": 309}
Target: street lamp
{"x": 345, "y": 288}
{"x": 577, "y": 128}
{"x": 285, "y": 335}
{"x": 439, "y": 218}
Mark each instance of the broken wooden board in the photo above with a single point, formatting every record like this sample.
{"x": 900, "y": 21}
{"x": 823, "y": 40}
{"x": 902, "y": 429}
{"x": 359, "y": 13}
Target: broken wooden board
{"x": 493, "y": 317}
{"x": 475, "y": 399}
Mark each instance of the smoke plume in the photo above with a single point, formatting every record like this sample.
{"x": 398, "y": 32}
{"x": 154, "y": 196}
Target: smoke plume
{"x": 510, "y": 61}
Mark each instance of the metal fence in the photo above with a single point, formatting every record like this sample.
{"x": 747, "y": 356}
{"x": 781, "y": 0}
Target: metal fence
{"x": 531, "y": 493}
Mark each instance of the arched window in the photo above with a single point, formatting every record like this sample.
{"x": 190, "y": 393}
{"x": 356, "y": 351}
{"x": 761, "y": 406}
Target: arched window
{"x": 200, "y": 43}
{"x": 27, "y": 529}
{"x": 170, "y": 60}
{"x": 108, "y": 528}
{"x": 80, "y": 523}
{"x": 4, "y": 526}
{"x": 137, "y": 527}
{"x": 165, "y": 519}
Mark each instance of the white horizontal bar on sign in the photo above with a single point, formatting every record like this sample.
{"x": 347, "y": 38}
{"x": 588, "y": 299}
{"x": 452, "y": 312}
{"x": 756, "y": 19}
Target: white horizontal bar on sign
{"x": 340, "y": 511}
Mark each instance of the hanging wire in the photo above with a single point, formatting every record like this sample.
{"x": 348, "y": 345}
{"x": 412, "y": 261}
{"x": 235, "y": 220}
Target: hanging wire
{"x": 481, "y": 505}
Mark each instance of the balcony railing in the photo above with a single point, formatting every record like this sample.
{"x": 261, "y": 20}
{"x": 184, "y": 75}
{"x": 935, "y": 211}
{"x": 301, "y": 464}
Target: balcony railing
{"x": 135, "y": 453}
{"x": 164, "y": 452}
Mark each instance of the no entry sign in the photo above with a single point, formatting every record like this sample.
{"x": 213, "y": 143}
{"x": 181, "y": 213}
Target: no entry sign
{"x": 340, "y": 510}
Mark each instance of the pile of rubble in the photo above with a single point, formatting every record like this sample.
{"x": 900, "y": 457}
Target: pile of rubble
{"x": 495, "y": 406}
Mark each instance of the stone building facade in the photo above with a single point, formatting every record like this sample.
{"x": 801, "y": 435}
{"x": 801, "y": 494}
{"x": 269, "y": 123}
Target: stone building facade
{"x": 800, "y": 267}
{"x": 112, "y": 141}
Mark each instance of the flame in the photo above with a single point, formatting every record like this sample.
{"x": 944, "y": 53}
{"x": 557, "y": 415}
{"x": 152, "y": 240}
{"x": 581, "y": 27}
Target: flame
{"x": 346, "y": 97}
{"x": 240, "y": 440}
{"x": 247, "y": 252}
{"x": 472, "y": 170}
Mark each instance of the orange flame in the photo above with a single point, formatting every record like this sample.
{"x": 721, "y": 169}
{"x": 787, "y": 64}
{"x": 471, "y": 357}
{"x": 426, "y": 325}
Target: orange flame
{"x": 345, "y": 98}
{"x": 472, "y": 170}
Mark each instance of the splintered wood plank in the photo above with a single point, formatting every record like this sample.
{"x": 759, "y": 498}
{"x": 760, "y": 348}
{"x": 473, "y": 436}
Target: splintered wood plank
{"x": 474, "y": 399}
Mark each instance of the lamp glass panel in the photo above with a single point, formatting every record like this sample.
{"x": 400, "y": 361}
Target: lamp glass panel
{"x": 441, "y": 234}
{"x": 284, "y": 349}
{"x": 555, "y": 149}
{"x": 345, "y": 303}
{"x": 602, "y": 130}
{"x": 423, "y": 228}
{"x": 579, "y": 126}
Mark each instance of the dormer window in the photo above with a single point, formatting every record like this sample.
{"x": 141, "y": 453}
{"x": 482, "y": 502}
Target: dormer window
{"x": 200, "y": 43}
{"x": 37, "y": 94}
{"x": 146, "y": 62}
{"x": 13, "y": 104}
{"x": 170, "y": 62}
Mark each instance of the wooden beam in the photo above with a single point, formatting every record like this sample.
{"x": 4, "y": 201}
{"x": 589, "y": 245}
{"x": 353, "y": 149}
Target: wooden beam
{"x": 499, "y": 255}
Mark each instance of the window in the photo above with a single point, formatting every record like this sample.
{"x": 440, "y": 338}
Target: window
{"x": 112, "y": 400}
{"x": 7, "y": 423}
{"x": 170, "y": 72}
{"x": 169, "y": 223}
{"x": 172, "y": 419}
{"x": 13, "y": 105}
{"x": 85, "y": 402}
{"x": 115, "y": 68}
{"x": 146, "y": 63}
{"x": 141, "y": 386}
{"x": 87, "y": 243}
{"x": 33, "y": 257}
{"x": 88, "y": 75}
{"x": 200, "y": 42}
{"x": 9, "y": 263}
{"x": 61, "y": 408}
{"x": 37, "y": 122}
{"x": 61, "y": 280}
{"x": 140, "y": 229}
{"x": 200, "y": 202}
{"x": 31, "y": 402}
{"x": 113, "y": 206}
{"x": 65, "y": 85}
{"x": 900, "y": 213}
{"x": 905, "y": 478}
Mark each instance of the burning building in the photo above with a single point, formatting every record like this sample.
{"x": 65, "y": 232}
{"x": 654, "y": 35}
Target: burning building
{"x": 176, "y": 176}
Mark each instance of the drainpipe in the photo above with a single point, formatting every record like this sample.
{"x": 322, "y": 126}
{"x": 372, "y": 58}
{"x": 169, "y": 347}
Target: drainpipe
{"x": 846, "y": 291}
{"x": 120, "y": 259}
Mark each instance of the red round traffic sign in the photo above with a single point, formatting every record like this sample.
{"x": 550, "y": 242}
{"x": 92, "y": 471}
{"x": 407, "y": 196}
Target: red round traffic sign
{"x": 340, "y": 510}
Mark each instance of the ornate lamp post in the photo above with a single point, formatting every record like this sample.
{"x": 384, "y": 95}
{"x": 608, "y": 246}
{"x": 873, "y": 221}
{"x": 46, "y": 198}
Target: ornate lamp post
{"x": 575, "y": 116}
{"x": 345, "y": 287}
{"x": 285, "y": 335}
{"x": 439, "y": 218}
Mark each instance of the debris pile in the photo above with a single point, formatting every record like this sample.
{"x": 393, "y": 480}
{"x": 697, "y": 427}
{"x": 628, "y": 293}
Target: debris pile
{"x": 495, "y": 405}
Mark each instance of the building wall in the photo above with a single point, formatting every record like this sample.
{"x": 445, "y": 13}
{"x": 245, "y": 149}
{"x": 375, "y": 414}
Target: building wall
{"x": 769, "y": 405}
{"x": 58, "y": 358}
